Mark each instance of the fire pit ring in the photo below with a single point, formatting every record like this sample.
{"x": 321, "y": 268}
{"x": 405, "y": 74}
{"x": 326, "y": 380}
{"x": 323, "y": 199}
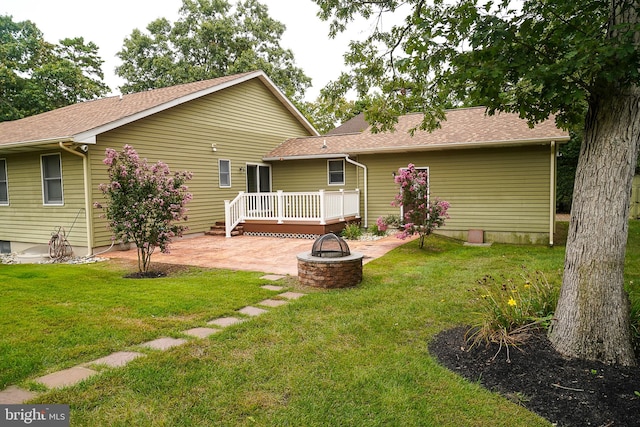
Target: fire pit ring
{"x": 330, "y": 264}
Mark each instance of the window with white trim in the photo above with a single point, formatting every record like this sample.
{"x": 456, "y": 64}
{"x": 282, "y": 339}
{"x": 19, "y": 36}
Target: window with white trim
{"x": 52, "y": 179}
{"x": 335, "y": 170}
{"x": 4, "y": 183}
{"x": 224, "y": 173}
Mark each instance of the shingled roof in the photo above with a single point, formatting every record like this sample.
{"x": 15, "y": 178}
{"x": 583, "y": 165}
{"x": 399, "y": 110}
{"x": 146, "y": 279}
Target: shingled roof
{"x": 463, "y": 128}
{"x": 83, "y": 121}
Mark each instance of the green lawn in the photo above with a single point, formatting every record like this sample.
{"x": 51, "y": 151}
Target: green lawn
{"x": 57, "y": 316}
{"x": 355, "y": 357}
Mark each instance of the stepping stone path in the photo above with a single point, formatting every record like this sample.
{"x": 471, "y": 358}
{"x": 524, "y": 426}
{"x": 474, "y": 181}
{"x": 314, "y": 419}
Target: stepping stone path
{"x": 273, "y": 277}
{"x": 252, "y": 311}
{"x": 117, "y": 359}
{"x": 68, "y": 377}
{"x": 201, "y": 332}
{"x": 13, "y": 395}
{"x": 273, "y": 302}
{"x": 291, "y": 295}
{"x": 223, "y": 322}
{"x": 164, "y": 343}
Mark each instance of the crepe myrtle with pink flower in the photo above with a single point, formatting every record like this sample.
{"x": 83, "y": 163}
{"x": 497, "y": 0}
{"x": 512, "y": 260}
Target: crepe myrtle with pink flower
{"x": 422, "y": 214}
{"x": 144, "y": 202}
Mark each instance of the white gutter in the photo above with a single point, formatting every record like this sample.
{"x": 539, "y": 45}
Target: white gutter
{"x": 456, "y": 145}
{"x": 87, "y": 197}
{"x": 366, "y": 192}
{"x": 309, "y": 157}
{"x": 552, "y": 193}
{"x": 425, "y": 147}
{"x": 37, "y": 142}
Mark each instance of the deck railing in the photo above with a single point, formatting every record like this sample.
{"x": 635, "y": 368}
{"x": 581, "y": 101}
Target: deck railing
{"x": 319, "y": 206}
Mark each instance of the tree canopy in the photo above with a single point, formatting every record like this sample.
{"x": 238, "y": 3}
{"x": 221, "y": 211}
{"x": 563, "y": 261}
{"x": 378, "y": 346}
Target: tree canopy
{"x": 212, "y": 38}
{"x": 532, "y": 58}
{"x": 577, "y": 61}
{"x": 38, "y": 76}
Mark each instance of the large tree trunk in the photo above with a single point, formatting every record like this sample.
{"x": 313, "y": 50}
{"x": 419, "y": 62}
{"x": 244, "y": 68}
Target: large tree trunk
{"x": 592, "y": 316}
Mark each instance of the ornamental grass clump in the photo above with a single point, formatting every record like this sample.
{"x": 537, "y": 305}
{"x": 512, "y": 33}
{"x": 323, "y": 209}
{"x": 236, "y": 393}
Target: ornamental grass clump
{"x": 352, "y": 231}
{"x": 511, "y": 309}
{"x": 143, "y": 202}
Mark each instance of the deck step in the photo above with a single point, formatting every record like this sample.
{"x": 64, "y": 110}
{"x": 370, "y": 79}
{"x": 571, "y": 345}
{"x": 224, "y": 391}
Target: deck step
{"x": 219, "y": 229}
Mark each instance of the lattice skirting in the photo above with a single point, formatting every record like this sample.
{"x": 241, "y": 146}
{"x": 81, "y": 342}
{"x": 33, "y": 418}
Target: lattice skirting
{"x": 282, "y": 235}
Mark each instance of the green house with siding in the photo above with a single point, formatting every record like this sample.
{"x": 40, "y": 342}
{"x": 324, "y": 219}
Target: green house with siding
{"x": 258, "y": 163}
{"x": 498, "y": 173}
{"x": 219, "y": 129}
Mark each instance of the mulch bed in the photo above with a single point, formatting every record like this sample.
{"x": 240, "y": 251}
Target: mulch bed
{"x": 157, "y": 270}
{"x": 566, "y": 392}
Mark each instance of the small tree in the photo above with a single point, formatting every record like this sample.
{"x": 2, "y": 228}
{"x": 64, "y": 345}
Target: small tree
{"x": 421, "y": 214}
{"x": 144, "y": 202}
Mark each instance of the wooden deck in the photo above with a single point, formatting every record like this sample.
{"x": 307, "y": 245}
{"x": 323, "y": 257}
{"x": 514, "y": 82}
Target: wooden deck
{"x": 292, "y": 213}
{"x": 302, "y": 228}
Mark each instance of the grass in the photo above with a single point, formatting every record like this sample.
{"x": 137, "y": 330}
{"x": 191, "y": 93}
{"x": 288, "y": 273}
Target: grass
{"x": 355, "y": 357}
{"x": 56, "y": 316}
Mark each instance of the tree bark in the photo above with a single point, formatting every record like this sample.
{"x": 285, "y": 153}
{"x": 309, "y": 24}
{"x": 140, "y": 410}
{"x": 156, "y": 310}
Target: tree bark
{"x": 592, "y": 317}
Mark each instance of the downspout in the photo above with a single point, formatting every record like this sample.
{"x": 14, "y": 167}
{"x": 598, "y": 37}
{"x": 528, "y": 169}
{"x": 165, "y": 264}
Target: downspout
{"x": 87, "y": 196}
{"x": 552, "y": 193}
{"x": 366, "y": 192}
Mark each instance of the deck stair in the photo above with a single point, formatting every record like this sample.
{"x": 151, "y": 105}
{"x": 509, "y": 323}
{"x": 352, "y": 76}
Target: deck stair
{"x": 219, "y": 230}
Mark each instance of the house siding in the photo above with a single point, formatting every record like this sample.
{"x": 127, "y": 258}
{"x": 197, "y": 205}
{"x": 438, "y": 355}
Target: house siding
{"x": 311, "y": 175}
{"x": 503, "y": 191}
{"x": 26, "y": 221}
{"x": 243, "y": 121}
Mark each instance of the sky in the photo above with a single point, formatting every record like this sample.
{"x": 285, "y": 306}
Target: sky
{"x": 108, "y": 23}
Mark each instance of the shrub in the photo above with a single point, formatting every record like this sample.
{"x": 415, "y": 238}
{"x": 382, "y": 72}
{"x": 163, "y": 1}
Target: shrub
{"x": 392, "y": 221}
{"x": 422, "y": 214}
{"x": 378, "y": 230}
{"x": 510, "y": 309}
{"x": 144, "y": 202}
{"x": 352, "y": 232}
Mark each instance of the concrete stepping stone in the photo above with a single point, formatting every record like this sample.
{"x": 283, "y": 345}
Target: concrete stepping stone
{"x": 223, "y": 322}
{"x": 273, "y": 277}
{"x": 164, "y": 343}
{"x": 272, "y": 287}
{"x": 117, "y": 359}
{"x": 273, "y": 302}
{"x": 201, "y": 332}
{"x": 291, "y": 295}
{"x": 14, "y": 395}
{"x": 66, "y": 377}
{"x": 252, "y": 311}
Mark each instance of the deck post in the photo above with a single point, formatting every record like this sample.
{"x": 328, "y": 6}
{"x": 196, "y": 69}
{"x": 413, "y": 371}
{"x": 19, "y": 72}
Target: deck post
{"x": 280, "y": 207}
{"x": 242, "y": 211}
{"x": 322, "y": 208}
{"x": 342, "y": 204}
{"x": 227, "y": 218}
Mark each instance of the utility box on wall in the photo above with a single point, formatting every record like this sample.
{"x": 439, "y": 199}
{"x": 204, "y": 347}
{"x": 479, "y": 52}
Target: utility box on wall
{"x": 475, "y": 236}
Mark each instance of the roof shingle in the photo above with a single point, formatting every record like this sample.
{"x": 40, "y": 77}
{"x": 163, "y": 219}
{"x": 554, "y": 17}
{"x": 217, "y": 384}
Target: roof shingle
{"x": 83, "y": 117}
{"x": 465, "y": 127}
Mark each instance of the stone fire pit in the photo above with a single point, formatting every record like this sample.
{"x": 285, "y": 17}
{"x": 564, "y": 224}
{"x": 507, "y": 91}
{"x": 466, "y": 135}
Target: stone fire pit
{"x": 330, "y": 264}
